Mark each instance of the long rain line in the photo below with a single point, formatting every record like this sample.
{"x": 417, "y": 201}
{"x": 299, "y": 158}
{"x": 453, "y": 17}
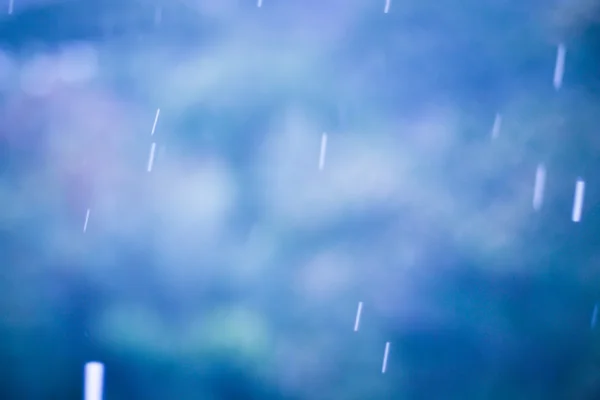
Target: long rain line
{"x": 385, "y": 357}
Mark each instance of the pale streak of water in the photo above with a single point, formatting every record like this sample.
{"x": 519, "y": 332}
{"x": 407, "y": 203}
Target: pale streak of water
{"x": 155, "y": 117}
{"x": 87, "y": 218}
{"x": 323, "y": 151}
{"x": 497, "y": 126}
{"x": 357, "y": 320}
{"x": 385, "y": 357}
{"x": 94, "y": 381}
{"x": 578, "y": 201}
{"x": 538, "y": 189}
{"x": 559, "y": 69}
{"x": 151, "y": 158}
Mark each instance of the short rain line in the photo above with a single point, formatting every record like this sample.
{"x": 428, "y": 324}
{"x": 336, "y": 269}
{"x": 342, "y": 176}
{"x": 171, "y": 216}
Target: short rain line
{"x": 578, "y": 200}
{"x": 155, "y": 117}
{"x": 497, "y": 125}
{"x": 323, "y": 151}
{"x": 87, "y": 218}
{"x": 538, "y": 189}
{"x": 357, "y": 320}
{"x": 151, "y": 158}
{"x": 559, "y": 69}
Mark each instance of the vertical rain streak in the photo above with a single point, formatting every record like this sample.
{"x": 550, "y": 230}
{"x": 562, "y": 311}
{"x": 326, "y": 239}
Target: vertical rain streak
{"x": 578, "y": 200}
{"x": 387, "y": 6}
{"x": 497, "y": 125}
{"x": 158, "y": 15}
{"x": 538, "y": 188}
{"x": 87, "y": 218}
{"x": 386, "y": 353}
{"x": 357, "y": 319}
{"x": 323, "y": 152}
{"x": 559, "y": 68}
{"x": 151, "y": 157}
{"x": 94, "y": 381}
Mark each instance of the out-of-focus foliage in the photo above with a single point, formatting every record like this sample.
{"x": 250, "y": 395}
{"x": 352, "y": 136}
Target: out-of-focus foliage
{"x": 234, "y": 268}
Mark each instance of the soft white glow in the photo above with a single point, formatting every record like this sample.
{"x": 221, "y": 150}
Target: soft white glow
{"x": 94, "y": 377}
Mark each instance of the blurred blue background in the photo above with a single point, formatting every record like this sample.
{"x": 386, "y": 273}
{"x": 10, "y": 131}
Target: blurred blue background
{"x": 234, "y": 268}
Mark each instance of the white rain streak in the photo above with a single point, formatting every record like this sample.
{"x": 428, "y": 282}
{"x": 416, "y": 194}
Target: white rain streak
{"x": 155, "y": 121}
{"x": 559, "y": 69}
{"x": 94, "y": 377}
{"x": 578, "y": 201}
{"x": 87, "y": 218}
{"x": 323, "y": 151}
{"x": 387, "y": 6}
{"x": 385, "y": 357}
{"x": 538, "y": 189}
{"x": 11, "y": 5}
{"x": 151, "y": 158}
{"x": 594, "y": 316}
{"x": 357, "y": 320}
{"x": 497, "y": 125}
{"x": 259, "y": 4}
